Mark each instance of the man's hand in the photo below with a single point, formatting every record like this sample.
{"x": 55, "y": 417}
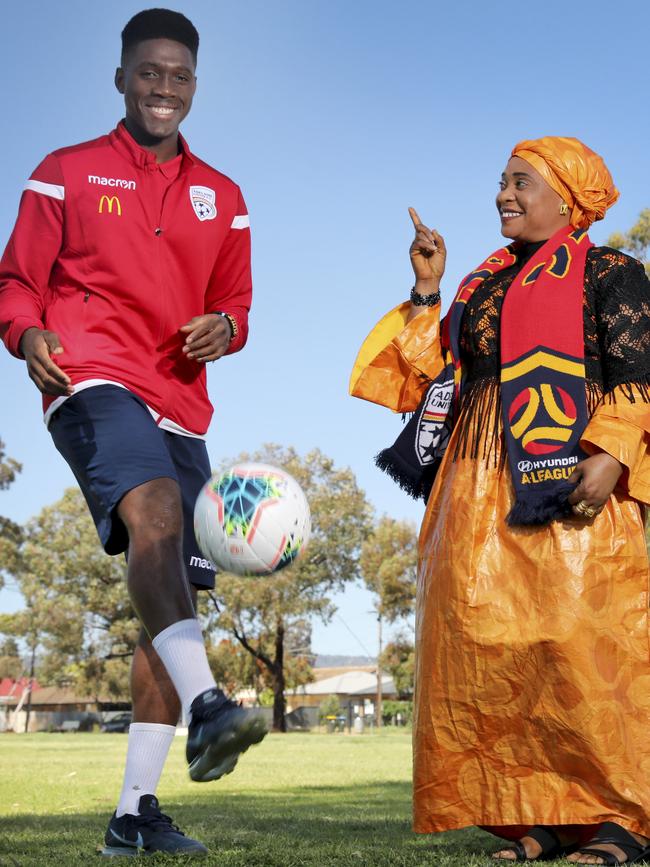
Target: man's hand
{"x": 596, "y": 478}
{"x": 208, "y": 337}
{"x": 37, "y": 347}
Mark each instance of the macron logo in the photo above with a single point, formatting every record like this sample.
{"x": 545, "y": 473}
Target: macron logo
{"x": 202, "y": 564}
{"x": 111, "y": 182}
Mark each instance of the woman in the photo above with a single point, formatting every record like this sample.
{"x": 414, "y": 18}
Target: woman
{"x": 533, "y": 415}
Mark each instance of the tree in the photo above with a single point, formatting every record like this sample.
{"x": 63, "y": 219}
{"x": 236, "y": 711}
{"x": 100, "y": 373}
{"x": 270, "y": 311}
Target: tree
{"x": 398, "y": 659}
{"x": 10, "y": 533}
{"x": 389, "y": 559}
{"x": 234, "y": 668}
{"x": 267, "y": 616}
{"x": 388, "y": 563}
{"x": 398, "y": 712}
{"x": 11, "y": 665}
{"x": 77, "y": 609}
{"x": 330, "y": 706}
{"x": 636, "y": 241}
{"x": 8, "y": 469}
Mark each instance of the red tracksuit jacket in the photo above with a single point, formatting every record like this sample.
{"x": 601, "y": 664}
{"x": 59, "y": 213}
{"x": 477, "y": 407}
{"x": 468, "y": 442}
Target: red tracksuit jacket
{"x": 114, "y": 253}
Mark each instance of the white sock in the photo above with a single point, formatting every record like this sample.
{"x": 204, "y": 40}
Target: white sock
{"x": 182, "y": 651}
{"x": 145, "y": 757}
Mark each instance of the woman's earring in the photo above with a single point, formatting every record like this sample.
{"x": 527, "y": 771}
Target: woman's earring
{"x": 564, "y": 209}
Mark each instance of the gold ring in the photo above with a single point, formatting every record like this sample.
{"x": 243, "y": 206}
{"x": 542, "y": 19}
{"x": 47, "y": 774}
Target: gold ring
{"x": 584, "y": 510}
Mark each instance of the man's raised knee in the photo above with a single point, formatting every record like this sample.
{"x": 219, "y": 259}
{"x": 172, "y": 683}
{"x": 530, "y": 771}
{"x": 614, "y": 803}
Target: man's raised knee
{"x": 153, "y": 510}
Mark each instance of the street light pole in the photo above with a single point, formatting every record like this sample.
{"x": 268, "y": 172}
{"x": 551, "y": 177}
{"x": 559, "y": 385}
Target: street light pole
{"x": 379, "y": 684}
{"x": 30, "y": 686}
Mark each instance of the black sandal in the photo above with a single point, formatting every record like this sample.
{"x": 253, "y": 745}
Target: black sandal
{"x": 547, "y": 839}
{"x": 610, "y": 832}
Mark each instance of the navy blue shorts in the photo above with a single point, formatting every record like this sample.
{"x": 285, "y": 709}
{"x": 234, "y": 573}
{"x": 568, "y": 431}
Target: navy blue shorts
{"x": 112, "y": 444}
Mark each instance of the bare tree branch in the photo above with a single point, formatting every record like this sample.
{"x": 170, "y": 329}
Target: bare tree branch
{"x": 241, "y": 638}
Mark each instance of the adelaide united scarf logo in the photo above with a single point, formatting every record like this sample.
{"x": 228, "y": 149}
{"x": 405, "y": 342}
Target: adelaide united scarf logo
{"x": 433, "y": 427}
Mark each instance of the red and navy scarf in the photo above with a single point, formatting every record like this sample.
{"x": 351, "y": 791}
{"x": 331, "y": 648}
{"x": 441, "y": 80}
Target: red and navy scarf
{"x": 544, "y": 403}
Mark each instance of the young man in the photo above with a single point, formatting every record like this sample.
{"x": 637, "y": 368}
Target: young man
{"x": 128, "y": 269}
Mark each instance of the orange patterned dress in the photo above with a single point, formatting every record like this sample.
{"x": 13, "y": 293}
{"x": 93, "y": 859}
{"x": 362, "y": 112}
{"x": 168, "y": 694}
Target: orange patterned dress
{"x": 532, "y": 646}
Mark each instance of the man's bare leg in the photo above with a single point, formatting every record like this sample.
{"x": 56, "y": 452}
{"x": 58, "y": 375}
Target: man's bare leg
{"x": 162, "y": 598}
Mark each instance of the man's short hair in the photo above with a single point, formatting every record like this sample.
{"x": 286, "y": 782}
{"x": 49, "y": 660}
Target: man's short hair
{"x": 160, "y": 24}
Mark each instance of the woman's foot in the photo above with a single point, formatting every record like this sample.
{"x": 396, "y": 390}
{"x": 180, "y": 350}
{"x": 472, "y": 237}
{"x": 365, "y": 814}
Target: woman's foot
{"x": 611, "y": 840}
{"x": 541, "y": 843}
{"x": 531, "y": 847}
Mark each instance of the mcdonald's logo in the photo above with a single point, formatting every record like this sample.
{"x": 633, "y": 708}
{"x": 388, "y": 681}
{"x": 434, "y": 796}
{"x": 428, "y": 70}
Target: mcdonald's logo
{"x": 110, "y": 202}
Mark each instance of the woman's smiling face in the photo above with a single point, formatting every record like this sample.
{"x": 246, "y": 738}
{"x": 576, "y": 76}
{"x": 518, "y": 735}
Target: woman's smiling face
{"x": 528, "y": 206}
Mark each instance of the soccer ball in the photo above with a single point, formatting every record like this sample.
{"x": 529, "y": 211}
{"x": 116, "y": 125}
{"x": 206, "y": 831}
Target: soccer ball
{"x": 252, "y": 519}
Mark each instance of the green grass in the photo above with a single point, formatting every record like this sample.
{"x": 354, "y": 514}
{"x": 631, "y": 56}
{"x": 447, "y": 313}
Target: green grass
{"x": 298, "y": 799}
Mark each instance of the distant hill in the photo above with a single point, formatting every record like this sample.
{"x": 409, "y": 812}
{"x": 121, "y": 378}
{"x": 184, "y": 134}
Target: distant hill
{"x": 330, "y": 660}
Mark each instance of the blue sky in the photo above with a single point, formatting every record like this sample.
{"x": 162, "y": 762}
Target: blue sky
{"x": 333, "y": 117}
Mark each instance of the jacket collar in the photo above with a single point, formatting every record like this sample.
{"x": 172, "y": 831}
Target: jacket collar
{"x": 124, "y": 143}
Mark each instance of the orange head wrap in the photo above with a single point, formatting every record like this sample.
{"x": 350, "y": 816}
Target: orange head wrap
{"x": 575, "y": 172}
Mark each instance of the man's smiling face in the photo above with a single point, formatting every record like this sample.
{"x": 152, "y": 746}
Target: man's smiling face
{"x": 158, "y": 82}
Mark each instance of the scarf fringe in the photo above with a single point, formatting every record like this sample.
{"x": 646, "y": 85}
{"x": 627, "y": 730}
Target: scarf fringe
{"x": 478, "y": 422}
{"x": 541, "y": 508}
{"x": 594, "y": 392}
{"x": 631, "y": 390}
{"x": 479, "y": 438}
{"x": 417, "y": 486}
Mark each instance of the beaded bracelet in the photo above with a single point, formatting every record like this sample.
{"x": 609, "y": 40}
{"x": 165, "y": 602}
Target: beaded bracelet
{"x": 424, "y": 300}
{"x": 232, "y": 322}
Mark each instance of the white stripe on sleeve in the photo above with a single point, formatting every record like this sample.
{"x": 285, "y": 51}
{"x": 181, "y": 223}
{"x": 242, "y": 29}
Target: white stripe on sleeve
{"x": 241, "y": 222}
{"x": 52, "y": 190}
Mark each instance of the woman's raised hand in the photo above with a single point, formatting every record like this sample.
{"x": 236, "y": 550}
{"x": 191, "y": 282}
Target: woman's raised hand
{"x": 428, "y": 256}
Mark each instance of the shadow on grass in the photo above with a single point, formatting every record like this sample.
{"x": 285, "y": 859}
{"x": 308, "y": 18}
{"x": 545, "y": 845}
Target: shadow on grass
{"x": 366, "y": 824}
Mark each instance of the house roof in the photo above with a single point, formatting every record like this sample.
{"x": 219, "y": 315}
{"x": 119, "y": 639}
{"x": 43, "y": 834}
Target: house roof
{"x": 11, "y": 687}
{"x": 59, "y": 695}
{"x": 45, "y": 695}
{"x": 332, "y": 671}
{"x": 355, "y": 682}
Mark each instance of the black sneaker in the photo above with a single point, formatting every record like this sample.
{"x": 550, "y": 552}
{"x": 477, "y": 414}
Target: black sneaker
{"x": 219, "y": 732}
{"x": 151, "y": 831}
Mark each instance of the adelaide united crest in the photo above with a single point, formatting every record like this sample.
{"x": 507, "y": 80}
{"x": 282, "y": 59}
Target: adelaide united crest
{"x": 204, "y": 202}
{"x": 433, "y": 424}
